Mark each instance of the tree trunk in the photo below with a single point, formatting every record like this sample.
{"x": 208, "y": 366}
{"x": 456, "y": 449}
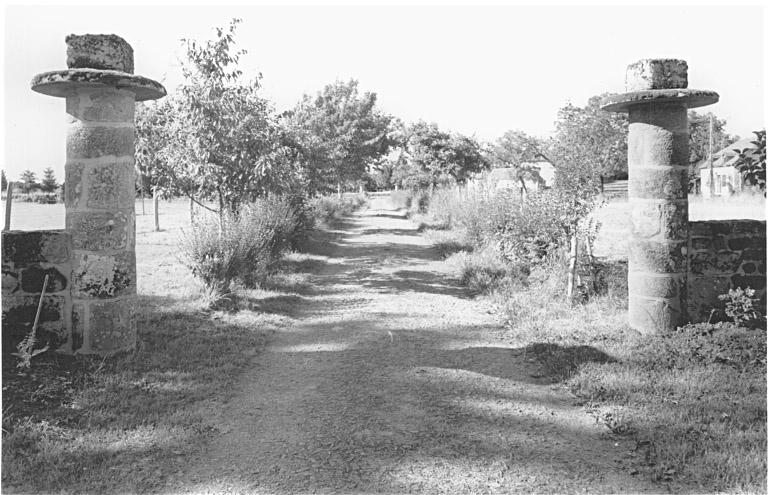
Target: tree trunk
{"x": 523, "y": 189}
{"x": 338, "y": 189}
{"x": 191, "y": 211}
{"x": 572, "y": 263}
{"x": 141, "y": 184}
{"x": 591, "y": 261}
{"x": 155, "y": 205}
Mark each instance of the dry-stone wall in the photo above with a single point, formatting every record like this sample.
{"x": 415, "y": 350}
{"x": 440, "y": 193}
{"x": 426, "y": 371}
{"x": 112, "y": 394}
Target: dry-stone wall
{"x": 724, "y": 255}
{"x": 27, "y": 258}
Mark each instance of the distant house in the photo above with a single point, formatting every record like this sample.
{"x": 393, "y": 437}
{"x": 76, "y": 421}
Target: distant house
{"x": 726, "y": 176}
{"x": 506, "y": 178}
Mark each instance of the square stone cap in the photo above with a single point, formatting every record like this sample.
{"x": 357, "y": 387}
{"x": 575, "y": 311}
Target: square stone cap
{"x": 99, "y": 51}
{"x": 65, "y": 83}
{"x": 657, "y": 73}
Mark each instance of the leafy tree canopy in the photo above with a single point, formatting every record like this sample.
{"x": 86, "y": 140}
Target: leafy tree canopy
{"x": 751, "y": 162}
{"x": 433, "y": 157}
{"x": 519, "y": 151}
{"x": 343, "y": 130}
{"x": 226, "y": 133}
{"x": 698, "y": 136}
{"x": 589, "y": 144}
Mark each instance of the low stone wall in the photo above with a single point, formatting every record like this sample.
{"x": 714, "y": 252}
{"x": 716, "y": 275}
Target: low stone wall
{"x": 724, "y": 255}
{"x": 27, "y": 258}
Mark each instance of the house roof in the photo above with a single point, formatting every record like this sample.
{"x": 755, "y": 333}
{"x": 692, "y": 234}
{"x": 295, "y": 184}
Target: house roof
{"x": 727, "y": 156}
{"x": 738, "y": 145}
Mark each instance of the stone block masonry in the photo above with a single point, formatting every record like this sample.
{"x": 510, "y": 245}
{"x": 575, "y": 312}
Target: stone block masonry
{"x": 27, "y": 258}
{"x": 100, "y": 91}
{"x": 657, "y": 101}
{"x": 724, "y": 255}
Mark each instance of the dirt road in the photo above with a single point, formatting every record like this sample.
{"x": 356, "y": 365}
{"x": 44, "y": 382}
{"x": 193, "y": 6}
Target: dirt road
{"x": 393, "y": 380}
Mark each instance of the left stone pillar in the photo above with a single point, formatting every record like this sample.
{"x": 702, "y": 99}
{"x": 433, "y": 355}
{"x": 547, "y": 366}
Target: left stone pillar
{"x": 100, "y": 91}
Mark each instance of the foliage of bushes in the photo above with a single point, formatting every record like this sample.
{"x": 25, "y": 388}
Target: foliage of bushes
{"x": 329, "y": 208}
{"x": 223, "y": 249}
{"x": 693, "y": 400}
{"x": 522, "y": 233}
{"x": 219, "y": 250}
{"x": 40, "y": 198}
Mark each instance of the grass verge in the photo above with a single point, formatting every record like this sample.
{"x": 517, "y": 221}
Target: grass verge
{"x": 694, "y": 401}
{"x": 123, "y": 425}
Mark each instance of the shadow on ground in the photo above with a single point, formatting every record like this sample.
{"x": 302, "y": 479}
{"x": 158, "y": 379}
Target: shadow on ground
{"x": 391, "y": 404}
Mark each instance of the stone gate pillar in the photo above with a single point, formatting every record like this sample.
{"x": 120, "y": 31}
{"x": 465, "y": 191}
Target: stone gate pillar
{"x": 657, "y": 101}
{"x": 100, "y": 90}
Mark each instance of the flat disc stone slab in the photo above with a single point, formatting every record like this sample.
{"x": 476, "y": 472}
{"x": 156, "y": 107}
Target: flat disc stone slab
{"x": 65, "y": 83}
{"x": 689, "y": 98}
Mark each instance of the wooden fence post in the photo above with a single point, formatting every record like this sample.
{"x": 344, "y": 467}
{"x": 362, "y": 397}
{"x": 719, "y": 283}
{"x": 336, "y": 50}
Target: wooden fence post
{"x": 8, "y": 202}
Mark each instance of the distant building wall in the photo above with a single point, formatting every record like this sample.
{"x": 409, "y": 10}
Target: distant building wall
{"x": 727, "y": 181}
{"x": 724, "y": 255}
{"x": 27, "y": 258}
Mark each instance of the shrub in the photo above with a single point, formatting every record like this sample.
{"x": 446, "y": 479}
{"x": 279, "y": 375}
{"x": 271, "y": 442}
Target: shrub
{"x": 212, "y": 250}
{"x": 448, "y": 242}
{"x": 328, "y": 208}
{"x": 483, "y": 271}
{"x": 219, "y": 250}
{"x": 741, "y": 306}
{"x": 420, "y": 201}
{"x": 535, "y": 229}
{"x": 401, "y": 199}
{"x": 305, "y": 219}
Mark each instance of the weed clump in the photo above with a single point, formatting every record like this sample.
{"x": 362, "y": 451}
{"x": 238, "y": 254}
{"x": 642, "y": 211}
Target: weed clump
{"x": 219, "y": 250}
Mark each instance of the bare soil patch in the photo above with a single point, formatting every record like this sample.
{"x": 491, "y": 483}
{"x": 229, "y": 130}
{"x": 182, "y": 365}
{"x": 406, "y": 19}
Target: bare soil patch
{"x": 392, "y": 379}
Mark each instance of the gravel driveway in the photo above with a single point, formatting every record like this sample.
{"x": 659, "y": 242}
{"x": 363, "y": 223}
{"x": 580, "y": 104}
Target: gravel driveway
{"x": 394, "y": 380}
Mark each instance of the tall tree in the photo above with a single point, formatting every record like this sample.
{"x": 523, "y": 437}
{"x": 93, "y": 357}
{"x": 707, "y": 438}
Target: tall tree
{"x": 346, "y": 129}
{"x": 48, "y": 183}
{"x": 433, "y": 157}
{"x": 28, "y": 181}
{"x": 589, "y": 145}
{"x": 699, "y": 136}
{"x": 466, "y": 157}
{"x": 518, "y": 151}
{"x": 225, "y": 131}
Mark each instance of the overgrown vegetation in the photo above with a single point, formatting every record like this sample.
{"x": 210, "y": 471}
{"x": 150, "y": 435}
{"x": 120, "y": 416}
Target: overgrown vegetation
{"x": 751, "y": 162}
{"x": 240, "y": 249}
{"x": 328, "y": 209}
{"x": 127, "y": 424}
{"x": 694, "y": 400}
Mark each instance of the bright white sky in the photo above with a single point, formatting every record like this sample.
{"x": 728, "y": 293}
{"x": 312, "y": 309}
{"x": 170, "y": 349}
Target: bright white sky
{"x": 478, "y": 70}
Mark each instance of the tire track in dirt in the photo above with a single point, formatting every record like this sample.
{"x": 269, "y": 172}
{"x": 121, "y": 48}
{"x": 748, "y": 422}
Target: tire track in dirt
{"x": 392, "y": 380}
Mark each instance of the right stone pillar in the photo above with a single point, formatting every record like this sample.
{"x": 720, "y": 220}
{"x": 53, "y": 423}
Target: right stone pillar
{"x": 657, "y": 101}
